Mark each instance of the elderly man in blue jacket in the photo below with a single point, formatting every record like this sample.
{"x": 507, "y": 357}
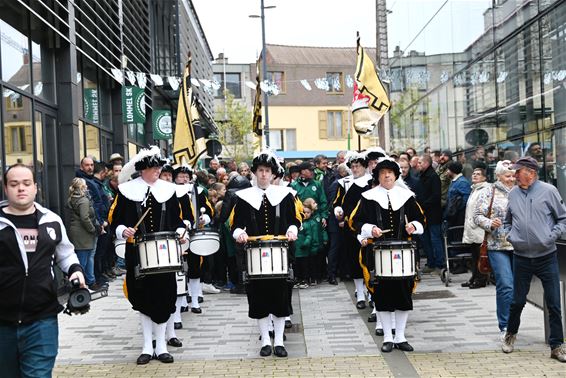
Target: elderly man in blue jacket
{"x": 536, "y": 217}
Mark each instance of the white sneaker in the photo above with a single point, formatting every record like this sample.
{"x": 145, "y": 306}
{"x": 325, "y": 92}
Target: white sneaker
{"x": 507, "y": 345}
{"x": 209, "y": 289}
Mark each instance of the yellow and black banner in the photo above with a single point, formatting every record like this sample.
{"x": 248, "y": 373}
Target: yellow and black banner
{"x": 256, "y": 123}
{"x": 188, "y": 140}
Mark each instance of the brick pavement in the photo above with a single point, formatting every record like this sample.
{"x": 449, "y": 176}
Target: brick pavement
{"x": 454, "y": 332}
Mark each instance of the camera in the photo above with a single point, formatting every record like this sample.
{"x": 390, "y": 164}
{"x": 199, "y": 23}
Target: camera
{"x": 79, "y": 298}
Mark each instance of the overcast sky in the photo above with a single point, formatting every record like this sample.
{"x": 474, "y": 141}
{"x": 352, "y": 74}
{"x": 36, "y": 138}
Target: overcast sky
{"x": 333, "y": 23}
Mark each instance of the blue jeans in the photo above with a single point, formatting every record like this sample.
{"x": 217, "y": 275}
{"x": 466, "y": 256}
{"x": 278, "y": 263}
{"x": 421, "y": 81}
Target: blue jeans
{"x": 546, "y": 269}
{"x": 86, "y": 259}
{"x": 29, "y": 350}
{"x": 433, "y": 246}
{"x": 502, "y": 265}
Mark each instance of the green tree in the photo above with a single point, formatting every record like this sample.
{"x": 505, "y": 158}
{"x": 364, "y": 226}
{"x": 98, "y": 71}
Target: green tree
{"x": 235, "y": 130}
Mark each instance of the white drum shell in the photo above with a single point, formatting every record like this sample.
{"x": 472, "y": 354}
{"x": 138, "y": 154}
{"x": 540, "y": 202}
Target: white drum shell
{"x": 266, "y": 260}
{"x": 204, "y": 243}
{"x": 181, "y": 283}
{"x": 394, "y": 261}
{"x": 120, "y": 248}
{"x": 159, "y": 254}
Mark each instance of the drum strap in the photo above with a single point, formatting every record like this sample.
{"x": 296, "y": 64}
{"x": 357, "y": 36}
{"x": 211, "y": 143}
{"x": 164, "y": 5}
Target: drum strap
{"x": 162, "y": 220}
{"x": 277, "y": 219}
{"x": 401, "y": 222}
{"x": 139, "y": 211}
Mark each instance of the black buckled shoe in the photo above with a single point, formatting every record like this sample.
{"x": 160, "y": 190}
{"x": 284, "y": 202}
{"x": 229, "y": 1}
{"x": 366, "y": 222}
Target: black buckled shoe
{"x": 175, "y": 342}
{"x": 333, "y": 281}
{"x": 404, "y": 346}
{"x": 196, "y": 310}
{"x": 178, "y": 325}
{"x": 184, "y": 308}
{"x": 372, "y": 318}
{"x": 143, "y": 359}
{"x": 466, "y": 284}
{"x": 200, "y": 299}
{"x": 379, "y": 332}
{"x": 280, "y": 351}
{"x": 387, "y": 347}
{"x": 265, "y": 351}
{"x": 288, "y": 324}
{"x": 166, "y": 358}
{"x": 361, "y": 305}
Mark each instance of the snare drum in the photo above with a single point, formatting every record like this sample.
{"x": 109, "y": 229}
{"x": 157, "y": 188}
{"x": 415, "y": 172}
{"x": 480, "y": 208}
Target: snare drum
{"x": 394, "y": 259}
{"x": 181, "y": 283}
{"x": 267, "y": 259}
{"x": 204, "y": 242}
{"x": 159, "y": 252}
{"x": 120, "y": 247}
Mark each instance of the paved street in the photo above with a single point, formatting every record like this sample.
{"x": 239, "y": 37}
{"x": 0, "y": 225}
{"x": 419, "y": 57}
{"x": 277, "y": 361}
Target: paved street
{"x": 454, "y": 332}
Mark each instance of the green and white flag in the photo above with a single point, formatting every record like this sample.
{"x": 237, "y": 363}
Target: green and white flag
{"x": 161, "y": 123}
{"x": 133, "y": 105}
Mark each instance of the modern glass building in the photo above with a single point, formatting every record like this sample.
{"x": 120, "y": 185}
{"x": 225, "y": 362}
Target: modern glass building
{"x": 485, "y": 79}
{"x": 61, "y": 100}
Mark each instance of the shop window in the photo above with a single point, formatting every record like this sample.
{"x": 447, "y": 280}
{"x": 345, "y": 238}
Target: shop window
{"x": 15, "y": 53}
{"x": 92, "y": 141}
{"x": 18, "y": 134}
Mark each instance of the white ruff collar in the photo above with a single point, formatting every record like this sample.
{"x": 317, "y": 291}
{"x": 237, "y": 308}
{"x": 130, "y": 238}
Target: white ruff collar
{"x": 135, "y": 190}
{"x": 363, "y": 181}
{"x": 182, "y": 189}
{"x": 398, "y": 196}
{"x": 254, "y": 195}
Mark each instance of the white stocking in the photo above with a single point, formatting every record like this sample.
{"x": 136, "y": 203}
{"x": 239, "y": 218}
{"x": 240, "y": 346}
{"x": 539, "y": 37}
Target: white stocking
{"x": 360, "y": 294}
{"x": 160, "y": 345}
{"x": 393, "y": 321}
{"x": 177, "y": 314}
{"x": 279, "y": 328}
{"x": 385, "y": 317}
{"x": 146, "y": 325}
{"x": 263, "y": 324}
{"x": 270, "y": 322}
{"x": 194, "y": 284}
{"x": 170, "y": 329}
{"x": 401, "y": 322}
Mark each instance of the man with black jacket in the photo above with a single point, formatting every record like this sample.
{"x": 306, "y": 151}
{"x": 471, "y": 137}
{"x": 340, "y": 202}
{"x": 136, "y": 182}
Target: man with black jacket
{"x": 429, "y": 199}
{"x": 32, "y": 238}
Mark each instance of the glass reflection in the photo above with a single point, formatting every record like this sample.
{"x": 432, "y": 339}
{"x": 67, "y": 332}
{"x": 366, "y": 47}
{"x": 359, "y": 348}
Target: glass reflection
{"x": 17, "y": 118}
{"x": 15, "y": 56}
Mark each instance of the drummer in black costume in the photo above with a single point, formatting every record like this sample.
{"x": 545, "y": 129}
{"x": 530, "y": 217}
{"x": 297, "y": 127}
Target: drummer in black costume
{"x": 185, "y": 191}
{"x": 390, "y": 207}
{"x": 152, "y": 295}
{"x": 347, "y": 196}
{"x": 254, "y": 214}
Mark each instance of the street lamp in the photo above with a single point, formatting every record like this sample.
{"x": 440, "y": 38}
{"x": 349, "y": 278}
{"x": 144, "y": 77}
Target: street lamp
{"x": 264, "y": 68}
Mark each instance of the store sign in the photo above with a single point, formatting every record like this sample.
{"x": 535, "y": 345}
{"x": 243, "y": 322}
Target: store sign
{"x": 161, "y": 123}
{"x": 91, "y": 105}
{"x": 133, "y": 105}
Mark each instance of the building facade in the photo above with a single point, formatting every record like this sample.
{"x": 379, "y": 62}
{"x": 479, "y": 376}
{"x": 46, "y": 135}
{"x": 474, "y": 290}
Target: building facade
{"x": 62, "y": 99}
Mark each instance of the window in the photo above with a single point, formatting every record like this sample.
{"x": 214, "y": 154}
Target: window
{"x": 14, "y": 101}
{"x": 331, "y": 124}
{"x": 18, "y": 138}
{"x": 277, "y": 78}
{"x": 335, "y": 82}
{"x": 233, "y": 85}
{"x": 290, "y": 140}
{"x": 276, "y": 140}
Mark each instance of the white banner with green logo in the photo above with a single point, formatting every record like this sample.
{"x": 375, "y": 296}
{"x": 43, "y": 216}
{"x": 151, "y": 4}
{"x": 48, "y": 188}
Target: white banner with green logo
{"x": 161, "y": 122}
{"x": 133, "y": 105}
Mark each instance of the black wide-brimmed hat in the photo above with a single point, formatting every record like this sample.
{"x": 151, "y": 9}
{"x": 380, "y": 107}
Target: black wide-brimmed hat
{"x": 386, "y": 163}
{"x": 268, "y": 159}
{"x": 148, "y": 158}
{"x": 183, "y": 169}
{"x": 374, "y": 153}
{"x": 356, "y": 157}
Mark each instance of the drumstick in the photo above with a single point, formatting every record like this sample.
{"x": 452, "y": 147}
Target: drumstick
{"x": 142, "y": 217}
{"x": 406, "y": 220}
